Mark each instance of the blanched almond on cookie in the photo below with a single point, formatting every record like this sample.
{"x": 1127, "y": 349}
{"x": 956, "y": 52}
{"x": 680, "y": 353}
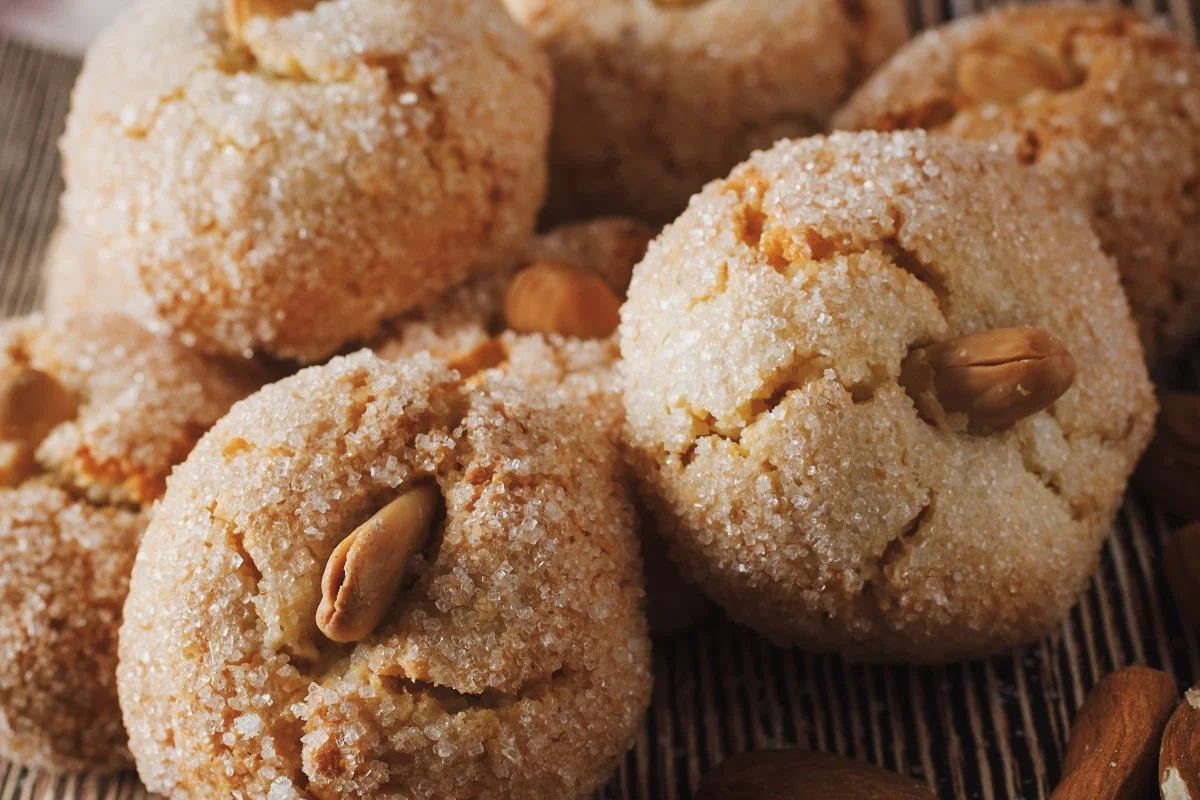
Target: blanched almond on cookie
{"x": 994, "y": 378}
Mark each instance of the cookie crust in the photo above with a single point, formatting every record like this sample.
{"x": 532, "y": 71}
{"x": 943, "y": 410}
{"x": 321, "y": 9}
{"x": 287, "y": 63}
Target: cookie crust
{"x": 289, "y": 194}
{"x": 792, "y": 475}
{"x": 517, "y": 663}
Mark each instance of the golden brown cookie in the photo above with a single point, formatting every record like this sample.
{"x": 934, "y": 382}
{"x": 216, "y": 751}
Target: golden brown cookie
{"x": 94, "y": 412}
{"x": 770, "y": 343}
{"x": 501, "y": 653}
{"x": 1104, "y": 103}
{"x": 654, "y": 98}
{"x": 468, "y": 327}
{"x": 288, "y": 185}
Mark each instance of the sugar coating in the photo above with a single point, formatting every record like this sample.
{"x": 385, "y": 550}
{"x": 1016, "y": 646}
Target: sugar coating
{"x": 581, "y": 372}
{"x": 62, "y": 585}
{"x": 1126, "y": 138}
{"x": 70, "y": 529}
{"x": 287, "y": 195}
{"x": 654, "y": 99}
{"x": 515, "y": 664}
{"x": 796, "y": 483}
{"x": 76, "y": 283}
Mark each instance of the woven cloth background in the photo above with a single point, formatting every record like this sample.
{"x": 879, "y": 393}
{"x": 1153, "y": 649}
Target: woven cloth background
{"x": 988, "y": 729}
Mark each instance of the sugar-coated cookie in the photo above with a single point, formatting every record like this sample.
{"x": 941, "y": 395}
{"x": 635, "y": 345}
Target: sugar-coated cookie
{"x": 374, "y": 580}
{"x": 94, "y": 412}
{"x": 656, "y": 97}
{"x": 885, "y": 392}
{"x": 285, "y": 183}
{"x": 1104, "y": 103}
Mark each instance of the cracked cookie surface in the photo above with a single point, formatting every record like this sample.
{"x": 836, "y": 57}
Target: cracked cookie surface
{"x": 289, "y": 190}
{"x": 514, "y": 661}
{"x": 72, "y": 508}
{"x": 655, "y": 99}
{"x": 1101, "y": 101}
{"x": 793, "y": 476}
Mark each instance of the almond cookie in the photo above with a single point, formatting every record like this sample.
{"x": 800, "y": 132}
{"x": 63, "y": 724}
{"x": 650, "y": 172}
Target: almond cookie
{"x": 373, "y": 580}
{"x": 1104, "y": 103}
{"x": 885, "y": 392}
{"x": 470, "y": 327}
{"x": 283, "y": 180}
{"x": 656, "y": 97}
{"x": 94, "y": 411}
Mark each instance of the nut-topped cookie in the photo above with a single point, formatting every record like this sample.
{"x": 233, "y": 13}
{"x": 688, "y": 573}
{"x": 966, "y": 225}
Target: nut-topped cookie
{"x": 547, "y": 321}
{"x": 373, "y": 580}
{"x": 654, "y": 98}
{"x": 885, "y": 391}
{"x": 283, "y": 176}
{"x": 94, "y": 412}
{"x": 1104, "y": 103}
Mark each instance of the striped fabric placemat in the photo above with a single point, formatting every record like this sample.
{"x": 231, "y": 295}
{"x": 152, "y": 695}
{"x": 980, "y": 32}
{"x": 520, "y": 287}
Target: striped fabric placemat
{"x": 985, "y": 729}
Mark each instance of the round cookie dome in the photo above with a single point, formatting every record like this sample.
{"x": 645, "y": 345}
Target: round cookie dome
{"x": 507, "y": 656}
{"x": 654, "y": 98}
{"x": 793, "y": 475}
{"x": 287, "y": 183}
{"x": 1102, "y": 102}
{"x": 94, "y": 411}
{"x": 467, "y": 327}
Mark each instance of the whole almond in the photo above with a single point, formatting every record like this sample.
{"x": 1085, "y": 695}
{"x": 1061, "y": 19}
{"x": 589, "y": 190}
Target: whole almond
{"x": 1170, "y": 469}
{"x": 1004, "y": 70}
{"x": 1113, "y": 749}
{"x": 239, "y": 12}
{"x": 801, "y": 775}
{"x": 366, "y": 569}
{"x": 1181, "y": 568}
{"x": 1179, "y": 757}
{"x": 553, "y": 297}
{"x": 991, "y": 379}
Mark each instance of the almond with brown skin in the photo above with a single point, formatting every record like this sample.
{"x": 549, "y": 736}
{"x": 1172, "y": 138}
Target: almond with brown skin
{"x": 365, "y": 571}
{"x": 1179, "y": 757}
{"x": 801, "y": 775}
{"x": 989, "y": 379}
{"x": 553, "y": 297}
{"x": 1113, "y": 750}
{"x": 1181, "y": 568}
{"x": 1004, "y": 70}
{"x": 1170, "y": 469}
